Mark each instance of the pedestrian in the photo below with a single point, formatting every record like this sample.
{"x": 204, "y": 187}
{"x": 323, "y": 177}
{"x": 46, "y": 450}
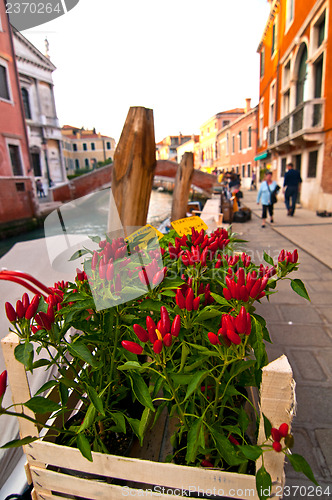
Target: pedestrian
{"x": 40, "y": 189}
{"x": 265, "y": 191}
{"x": 253, "y": 181}
{"x": 291, "y": 187}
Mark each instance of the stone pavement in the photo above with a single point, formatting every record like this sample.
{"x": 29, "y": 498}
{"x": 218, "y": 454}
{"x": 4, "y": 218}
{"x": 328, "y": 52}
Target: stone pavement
{"x": 302, "y": 330}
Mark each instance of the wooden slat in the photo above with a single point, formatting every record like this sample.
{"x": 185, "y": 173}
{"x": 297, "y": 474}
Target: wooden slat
{"x": 182, "y": 186}
{"x": 277, "y": 402}
{"x": 131, "y": 469}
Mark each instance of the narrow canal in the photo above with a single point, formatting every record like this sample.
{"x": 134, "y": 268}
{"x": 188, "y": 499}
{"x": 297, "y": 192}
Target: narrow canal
{"x": 159, "y": 209}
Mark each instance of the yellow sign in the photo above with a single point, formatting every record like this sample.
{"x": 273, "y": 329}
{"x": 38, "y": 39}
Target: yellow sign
{"x": 144, "y": 235}
{"x": 183, "y": 226}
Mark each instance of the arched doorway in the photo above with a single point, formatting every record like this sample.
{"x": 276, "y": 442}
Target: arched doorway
{"x": 302, "y": 74}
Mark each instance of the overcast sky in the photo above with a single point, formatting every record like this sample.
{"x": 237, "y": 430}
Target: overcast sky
{"x": 185, "y": 59}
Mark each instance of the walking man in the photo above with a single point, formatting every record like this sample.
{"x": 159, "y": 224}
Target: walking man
{"x": 292, "y": 182}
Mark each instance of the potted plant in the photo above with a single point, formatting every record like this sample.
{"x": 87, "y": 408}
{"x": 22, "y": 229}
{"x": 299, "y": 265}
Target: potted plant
{"x": 147, "y": 329}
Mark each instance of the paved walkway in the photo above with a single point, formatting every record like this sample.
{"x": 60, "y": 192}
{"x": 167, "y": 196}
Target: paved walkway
{"x": 302, "y": 330}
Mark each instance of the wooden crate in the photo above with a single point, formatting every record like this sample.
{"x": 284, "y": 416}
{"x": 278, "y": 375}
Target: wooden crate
{"x": 47, "y": 463}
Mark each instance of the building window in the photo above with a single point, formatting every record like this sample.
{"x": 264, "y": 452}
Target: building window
{"x": 289, "y": 12}
{"x": 261, "y": 121}
{"x": 36, "y": 164}
{"x": 4, "y": 85}
{"x": 233, "y": 143}
{"x": 283, "y": 167}
{"x": 227, "y": 143}
{"x": 318, "y": 72}
{"x": 87, "y": 162}
{"x": 243, "y": 170}
{"x": 240, "y": 141}
{"x": 92, "y": 146}
{"x": 301, "y": 83}
{"x": 85, "y": 147}
{"x": 26, "y": 103}
{"x": 312, "y": 167}
{"x": 108, "y": 145}
{"x": 274, "y": 38}
{"x": 249, "y": 136}
{"x": 15, "y": 159}
{"x": 77, "y": 164}
{"x": 272, "y": 104}
{"x": 286, "y": 101}
{"x": 320, "y": 31}
{"x": 249, "y": 170}
{"x": 225, "y": 123}
{"x": 262, "y": 62}
{"x": 74, "y": 147}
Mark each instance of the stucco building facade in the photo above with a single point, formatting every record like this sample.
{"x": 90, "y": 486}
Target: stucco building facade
{"x": 295, "y": 106}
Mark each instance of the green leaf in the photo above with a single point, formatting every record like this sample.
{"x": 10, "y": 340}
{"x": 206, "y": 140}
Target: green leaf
{"x": 267, "y": 427}
{"x": 80, "y": 350}
{"x": 120, "y": 422}
{"x": 96, "y": 400}
{"x": 250, "y": 451}
{"x": 226, "y": 449}
{"x": 298, "y": 287}
{"x": 196, "y": 380}
{"x": 95, "y": 239}
{"x": 184, "y": 354}
{"x": 144, "y": 423}
{"x": 263, "y": 483}
{"x": 195, "y": 439}
{"x": 172, "y": 283}
{"x": 141, "y": 390}
{"x": 46, "y": 386}
{"x": 19, "y": 442}
{"x": 268, "y": 259}
{"x": 88, "y": 419}
{"x": 24, "y": 354}
{"x": 84, "y": 446}
{"x": 64, "y": 393}
{"x": 221, "y": 300}
{"x": 168, "y": 293}
{"x": 131, "y": 365}
{"x": 41, "y": 362}
{"x": 300, "y": 464}
{"x": 243, "y": 419}
{"x": 181, "y": 378}
{"x": 78, "y": 254}
{"x": 207, "y": 314}
{"x": 38, "y": 404}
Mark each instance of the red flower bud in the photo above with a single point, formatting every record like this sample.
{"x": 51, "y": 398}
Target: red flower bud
{"x": 141, "y": 333}
{"x": 176, "y": 325}
{"x": 276, "y": 436}
{"x": 283, "y": 430}
{"x": 10, "y": 311}
{"x": 157, "y": 346}
{"x": 3, "y": 383}
{"x": 276, "y": 446}
{"x": 132, "y": 347}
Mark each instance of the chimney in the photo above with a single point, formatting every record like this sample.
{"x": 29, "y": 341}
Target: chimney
{"x": 248, "y": 105}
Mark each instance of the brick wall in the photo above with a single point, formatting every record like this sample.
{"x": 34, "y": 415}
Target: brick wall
{"x": 85, "y": 184}
{"x": 16, "y": 199}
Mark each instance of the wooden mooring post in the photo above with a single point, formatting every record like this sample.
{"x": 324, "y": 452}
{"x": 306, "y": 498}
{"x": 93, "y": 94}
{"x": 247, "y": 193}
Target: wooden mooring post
{"x": 133, "y": 168}
{"x": 182, "y": 186}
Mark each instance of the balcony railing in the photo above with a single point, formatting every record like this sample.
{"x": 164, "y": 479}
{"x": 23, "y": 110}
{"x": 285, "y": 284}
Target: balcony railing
{"x": 305, "y": 118}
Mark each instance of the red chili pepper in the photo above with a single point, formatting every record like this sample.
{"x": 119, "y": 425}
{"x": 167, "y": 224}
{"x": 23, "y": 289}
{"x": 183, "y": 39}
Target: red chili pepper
{"x": 283, "y": 429}
{"x": 233, "y": 337}
{"x": 282, "y": 256}
{"x": 248, "y": 327}
{"x": 165, "y": 319}
{"x": 206, "y": 463}
{"x": 150, "y": 324}
{"x": 94, "y": 260}
{"x": 205, "y": 242}
{"x": 168, "y": 340}
{"x": 43, "y": 320}
{"x": 32, "y": 309}
{"x": 241, "y": 320}
{"x": 294, "y": 257}
{"x": 50, "y": 313}
{"x": 275, "y": 433}
{"x": 118, "y": 285}
{"x": 141, "y": 333}
{"x": 244, "y": 294}
{"x": 132, "y": 347}
{"x": 176, "y": 325}
{"x": 233, "y": 440}
{"x": 276, "y": 446}
{"x": 185, "y": 259}
{"x": 256, "y": 288}
{"x": 110, "y": 272}
{"x": 20, "y": 309}
{"x": 10, "y": 312}
{"x": 227, "y": 294}
{"x": 231, "y": 285}
{"x": 241, "y": 276}
{"x": 196, "y": 303}
{"x": 25, "y": 301}
{"x": 204, "y": 256}
{"x": 102, "y": 269}
{"x": 161, "y": 328}
{"x": 213, "y": 338}
{"x": 157, "y": 346}
{"x": 3, "y": 383}
{"x": 180, "y": 300}
{"x": 189, "y": 299}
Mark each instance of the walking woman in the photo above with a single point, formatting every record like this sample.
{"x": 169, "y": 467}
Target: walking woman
{"x": 265, "y": 191}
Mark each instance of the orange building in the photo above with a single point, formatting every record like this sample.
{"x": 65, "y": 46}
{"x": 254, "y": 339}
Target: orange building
{"x": 295, "y": 106}
{"x": 17, "y": 199}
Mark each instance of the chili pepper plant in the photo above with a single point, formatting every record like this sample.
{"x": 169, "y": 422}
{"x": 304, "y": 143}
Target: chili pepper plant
{"x": 143, "y": 330}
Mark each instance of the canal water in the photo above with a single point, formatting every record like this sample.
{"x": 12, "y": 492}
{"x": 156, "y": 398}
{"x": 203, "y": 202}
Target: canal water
{"x": 159, "y": 209}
